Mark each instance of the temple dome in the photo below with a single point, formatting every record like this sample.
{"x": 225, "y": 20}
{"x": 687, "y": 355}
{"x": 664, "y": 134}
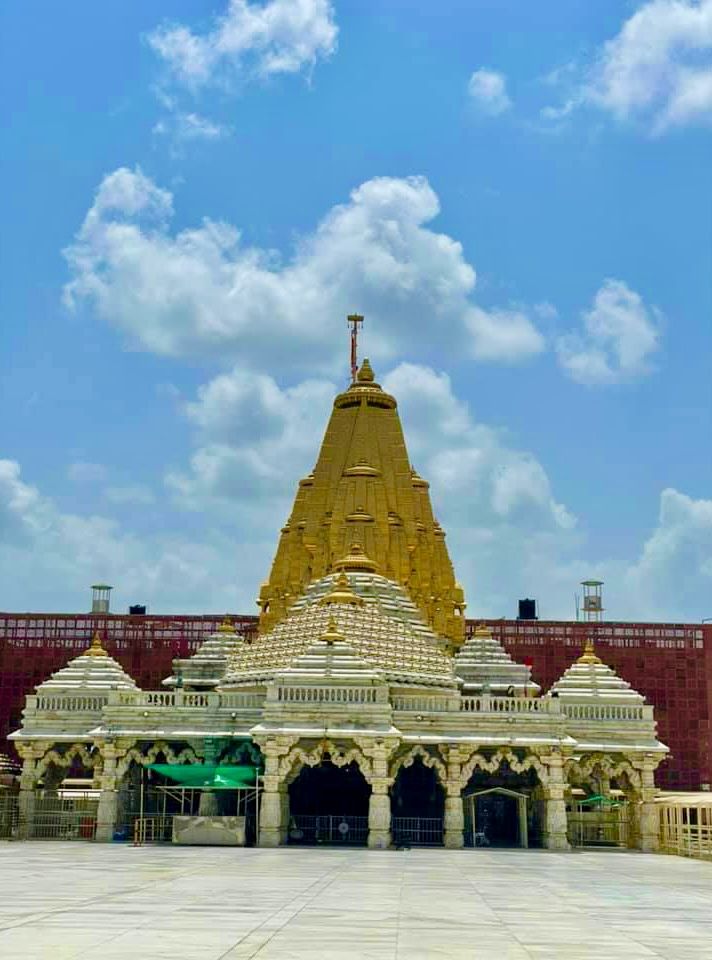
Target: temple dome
{"x": 485, "y": 666}
{"x": 589, "y": 678}
{"x": 384, "y": 628}
{"x": 92, "y": 670}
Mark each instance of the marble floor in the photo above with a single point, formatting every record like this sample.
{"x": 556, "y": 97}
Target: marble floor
{"x": 70, "y": 901}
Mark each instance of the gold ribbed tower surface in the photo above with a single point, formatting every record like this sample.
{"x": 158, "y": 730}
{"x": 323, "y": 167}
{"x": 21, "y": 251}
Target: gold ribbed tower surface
{"x": 363, "y": 497}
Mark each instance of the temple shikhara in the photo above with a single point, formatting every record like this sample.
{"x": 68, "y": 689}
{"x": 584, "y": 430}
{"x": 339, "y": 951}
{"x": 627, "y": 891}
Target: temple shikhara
{"x": 359, "y": 712}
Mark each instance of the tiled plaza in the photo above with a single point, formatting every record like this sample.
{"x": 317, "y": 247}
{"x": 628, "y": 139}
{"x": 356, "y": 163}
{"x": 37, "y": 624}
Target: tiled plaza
{"x": 65, "y": 901}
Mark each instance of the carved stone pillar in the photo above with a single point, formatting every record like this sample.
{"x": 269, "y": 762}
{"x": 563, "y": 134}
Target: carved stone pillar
{"x": 454, "y": 820}
{"x": 108, "y": 798}
{"x": 284, "y": 804}
{"x": 377, "y": 752}
{"x": 555, "y": 826}
{"x": 26, "y": 799}
{"x": 274, "y": 807}
{"x": 379, "y": 814}
{"x": 648, "y": 825}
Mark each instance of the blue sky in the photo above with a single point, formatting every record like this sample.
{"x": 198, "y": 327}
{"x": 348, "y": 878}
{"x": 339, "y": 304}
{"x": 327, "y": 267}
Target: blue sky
{"x": 516, "y": 195}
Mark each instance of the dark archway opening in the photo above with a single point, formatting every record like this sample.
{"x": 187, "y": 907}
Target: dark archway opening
{"x": 329, "y": 805}
{"x": 417, "y": 806}
{"x": 497, "y": 817}
{"x": 496, "y": 822}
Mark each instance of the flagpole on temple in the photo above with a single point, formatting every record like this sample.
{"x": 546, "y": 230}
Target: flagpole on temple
{"x": 353, "y": 320}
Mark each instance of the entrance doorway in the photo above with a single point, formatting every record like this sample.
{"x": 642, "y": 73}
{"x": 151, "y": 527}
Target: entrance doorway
{"x": 498, "y": 817}
{"x": 417, "y": 806}
{"x": 329, "y": 805}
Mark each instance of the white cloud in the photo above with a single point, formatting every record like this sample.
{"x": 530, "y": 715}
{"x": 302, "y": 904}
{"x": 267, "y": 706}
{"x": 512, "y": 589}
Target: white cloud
{"x": 503, "y": 334}
{"x": 620, "y": 333}
{"x": 658, "y": 68}
{"x": 279, "y": 36}
{"x": 673, "y": 576}
{"x": 249, "y": 429}
{"x": 189, "y": 126}
{"x": 49, "y": 558}
{"x": 204, "y": 291}
{"x": 476, "y": 476}
{"x": 488, "y": 90}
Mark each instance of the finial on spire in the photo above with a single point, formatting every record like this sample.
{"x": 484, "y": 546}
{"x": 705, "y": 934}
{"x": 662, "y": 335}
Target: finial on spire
{"x": 227, "y": 626}
{"x": 356, "y": 559}
{"x": 353, "y": 320}
{"x": 365, "y": 374}
{"x": 589, "y": 654}
{"x": 96, "y": 649}
{"x": 331, "y": 635}
{"x": 341, "y": 592}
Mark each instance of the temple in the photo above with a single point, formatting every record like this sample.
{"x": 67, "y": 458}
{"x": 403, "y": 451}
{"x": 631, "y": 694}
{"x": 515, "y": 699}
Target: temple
{"x": 358, "y": 713}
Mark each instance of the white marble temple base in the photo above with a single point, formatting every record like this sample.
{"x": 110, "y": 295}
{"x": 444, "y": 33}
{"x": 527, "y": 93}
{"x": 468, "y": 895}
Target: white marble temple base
{"x": 209, "y": 831}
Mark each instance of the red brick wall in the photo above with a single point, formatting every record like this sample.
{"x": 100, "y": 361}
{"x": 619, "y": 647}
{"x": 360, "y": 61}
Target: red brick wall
{"x": 670, "y": 664}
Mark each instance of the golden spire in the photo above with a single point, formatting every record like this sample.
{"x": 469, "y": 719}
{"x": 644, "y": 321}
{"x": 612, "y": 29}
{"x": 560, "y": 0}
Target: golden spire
{"x": 589, "y": 654}
{"x": 227, "y": 626}
{"x": 482, "y": 631}
{"x": 96, "y": 649}
{"x": 362, "y": 491}
{"x": 331, "y": 635}
{"x": 341, "y": 592}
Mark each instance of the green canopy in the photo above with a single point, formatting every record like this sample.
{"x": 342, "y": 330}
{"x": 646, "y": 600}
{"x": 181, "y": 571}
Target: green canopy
{"x": 604, "y": 801}
{"x": 208, "y": 776}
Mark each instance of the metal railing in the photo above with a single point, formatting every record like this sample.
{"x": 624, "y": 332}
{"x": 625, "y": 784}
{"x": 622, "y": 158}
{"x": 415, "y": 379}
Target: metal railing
{"x": 598, "y": 830}
{"x": 337, "y": 830}
{"x": 152, "y": 829}
{"x": 417, "y": 831}
{"x": 62, "y": 818}
{"x": 9, "y": 815}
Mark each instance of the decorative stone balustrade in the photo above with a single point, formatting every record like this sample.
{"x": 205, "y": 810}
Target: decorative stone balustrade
{"x": 517, "y": 705}
{"x": 335, "y": 695}
{"x": 607, "y": 711}
{"x": 68, "y": 703}
{"x": 178, "y": 699}
{"x": 484, "y": 704}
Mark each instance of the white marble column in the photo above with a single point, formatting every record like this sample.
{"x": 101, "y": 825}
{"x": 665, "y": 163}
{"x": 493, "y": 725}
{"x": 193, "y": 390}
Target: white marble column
{"x": 274, "y": 809}
{"x": 109, "y": 798}
{"x": 454, "y": 822}
{"x": 648, "y": 832}
{"x": 379, "y": 814}
{"x": 26, "y": 799}
{"x": 555, "y": 826}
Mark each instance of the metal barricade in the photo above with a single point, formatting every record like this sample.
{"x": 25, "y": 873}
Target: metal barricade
{"x": 63, "y": 818}
{"x": 417, "y": 831}
{"x": 152, "y": 829}
{"x": 9, "y": 815}
{"x": 327, "y": 829}
{"x": 594, "y": 829}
